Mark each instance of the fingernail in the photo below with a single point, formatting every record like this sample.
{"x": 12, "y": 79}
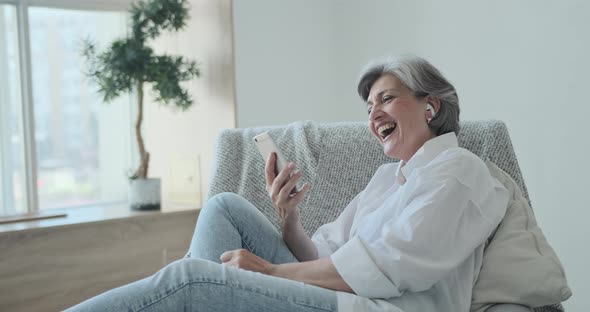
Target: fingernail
{"x": 291, "y": 165}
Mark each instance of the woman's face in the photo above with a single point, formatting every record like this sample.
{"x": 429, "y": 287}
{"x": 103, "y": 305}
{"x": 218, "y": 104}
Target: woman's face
{"x": 397, "y": 118}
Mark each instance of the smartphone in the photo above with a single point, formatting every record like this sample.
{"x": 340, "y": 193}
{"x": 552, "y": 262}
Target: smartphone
{"x": 266, "y": 146}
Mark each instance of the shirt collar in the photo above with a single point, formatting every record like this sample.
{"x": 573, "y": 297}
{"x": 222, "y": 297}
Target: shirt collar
{"x": 425, "y": 154}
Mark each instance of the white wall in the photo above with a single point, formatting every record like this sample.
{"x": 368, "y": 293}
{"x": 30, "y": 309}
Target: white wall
{"x": 287, "y": 56}
{"x": 524, "y": 62}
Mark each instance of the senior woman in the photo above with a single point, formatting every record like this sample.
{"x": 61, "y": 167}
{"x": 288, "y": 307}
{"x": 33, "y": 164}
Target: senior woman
{"x": 412, "y": 240}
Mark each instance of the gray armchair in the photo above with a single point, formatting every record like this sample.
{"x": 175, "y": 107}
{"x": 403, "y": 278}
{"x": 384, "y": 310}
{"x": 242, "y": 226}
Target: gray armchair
{"x": 338, "y": 160}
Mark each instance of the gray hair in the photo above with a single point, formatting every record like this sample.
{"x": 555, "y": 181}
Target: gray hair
{"x": 422, "y": 79}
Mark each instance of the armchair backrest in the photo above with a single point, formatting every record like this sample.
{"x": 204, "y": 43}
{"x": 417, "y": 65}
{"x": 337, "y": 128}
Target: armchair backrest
{"x": 337, "y": 159}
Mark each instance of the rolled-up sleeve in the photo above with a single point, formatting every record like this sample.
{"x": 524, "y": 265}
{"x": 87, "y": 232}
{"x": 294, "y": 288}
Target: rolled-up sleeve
{"x": 329, "y": 237}
{"x": 355, "y": 265}
{"x": 443, "y": 220}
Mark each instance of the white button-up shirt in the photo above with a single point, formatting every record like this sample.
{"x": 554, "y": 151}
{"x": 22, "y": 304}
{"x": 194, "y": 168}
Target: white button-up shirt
{"x": 413, "y": 239}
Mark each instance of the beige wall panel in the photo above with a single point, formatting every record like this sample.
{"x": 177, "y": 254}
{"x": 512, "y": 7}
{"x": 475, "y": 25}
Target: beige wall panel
{"x": 174, "y": 136}
{"x": 51, "y": 269}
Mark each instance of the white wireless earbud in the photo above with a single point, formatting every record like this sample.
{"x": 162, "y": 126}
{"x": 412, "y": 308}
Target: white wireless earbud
{"x": 431, "y": 109}
{"x": 432, "y": 112}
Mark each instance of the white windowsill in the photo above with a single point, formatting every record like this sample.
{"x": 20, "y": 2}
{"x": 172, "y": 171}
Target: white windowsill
{"x": 81, "y": 215}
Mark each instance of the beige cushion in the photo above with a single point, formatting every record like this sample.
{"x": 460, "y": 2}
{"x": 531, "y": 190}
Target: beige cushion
{"x": 519, "y": 266}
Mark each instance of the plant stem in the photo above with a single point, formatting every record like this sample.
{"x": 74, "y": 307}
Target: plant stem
{"x": 144, "y": 156}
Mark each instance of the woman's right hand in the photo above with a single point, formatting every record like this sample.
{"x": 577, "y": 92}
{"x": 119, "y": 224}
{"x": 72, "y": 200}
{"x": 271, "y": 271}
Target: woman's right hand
{"x": 280, "y": 186}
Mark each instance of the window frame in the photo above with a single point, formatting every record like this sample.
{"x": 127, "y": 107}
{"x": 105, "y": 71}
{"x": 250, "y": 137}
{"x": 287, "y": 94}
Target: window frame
{"x": 27, "y": 105}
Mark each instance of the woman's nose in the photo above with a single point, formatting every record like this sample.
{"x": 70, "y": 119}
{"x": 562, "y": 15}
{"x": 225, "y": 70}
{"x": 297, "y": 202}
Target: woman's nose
{"x": 375, "y": 113}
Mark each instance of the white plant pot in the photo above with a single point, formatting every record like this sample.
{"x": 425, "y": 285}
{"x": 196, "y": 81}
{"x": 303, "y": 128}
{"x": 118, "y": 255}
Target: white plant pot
{"x": 144, "y": 194}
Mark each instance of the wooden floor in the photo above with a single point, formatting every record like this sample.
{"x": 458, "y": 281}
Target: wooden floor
{"x": 50, "y": 269}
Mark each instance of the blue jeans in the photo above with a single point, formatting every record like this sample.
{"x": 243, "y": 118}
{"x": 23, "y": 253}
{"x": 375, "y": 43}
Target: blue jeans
{"x": 200, "y": 283}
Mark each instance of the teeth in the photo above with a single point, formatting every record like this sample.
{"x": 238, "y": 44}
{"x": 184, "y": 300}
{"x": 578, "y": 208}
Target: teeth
{"x": 384, "y": 128}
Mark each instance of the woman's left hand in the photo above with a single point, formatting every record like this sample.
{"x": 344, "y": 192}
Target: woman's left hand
{"x": 243, "y": 259}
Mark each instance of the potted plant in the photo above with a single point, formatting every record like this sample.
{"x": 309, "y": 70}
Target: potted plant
{"x": 128, "y": 64}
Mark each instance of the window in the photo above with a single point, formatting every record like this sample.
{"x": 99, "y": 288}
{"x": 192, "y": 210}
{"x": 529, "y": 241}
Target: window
{"x": 12, "y": 174}
{"x": 80, "y": 148}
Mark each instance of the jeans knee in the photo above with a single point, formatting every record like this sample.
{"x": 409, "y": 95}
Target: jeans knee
{"x": 185, "y": 271}
{"x": 223, "y": 202}
{"x": 227, "y": 197}
{"x": 187, "y": 265}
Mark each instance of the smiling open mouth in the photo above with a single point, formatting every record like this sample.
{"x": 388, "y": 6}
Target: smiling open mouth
{"x": 386, "y": 130}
